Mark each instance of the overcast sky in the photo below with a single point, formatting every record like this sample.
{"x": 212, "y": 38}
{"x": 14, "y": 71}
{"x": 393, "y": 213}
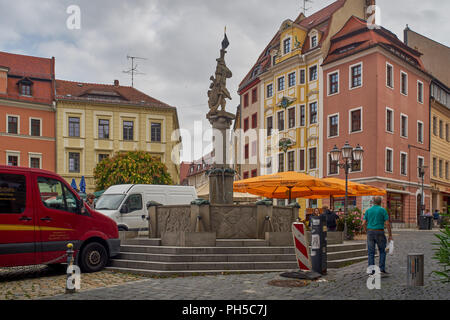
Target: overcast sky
{"x": 180, "y": 40}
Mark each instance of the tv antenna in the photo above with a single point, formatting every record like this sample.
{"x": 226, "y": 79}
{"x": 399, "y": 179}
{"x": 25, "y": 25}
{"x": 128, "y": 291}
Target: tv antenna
{"x": 133, "y": 69}
{"x": 304, "y": 8}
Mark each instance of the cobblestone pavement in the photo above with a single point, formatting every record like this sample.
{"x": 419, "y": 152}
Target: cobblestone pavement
{"x": 34, "y": 282}
{"x": 348, "y": 283}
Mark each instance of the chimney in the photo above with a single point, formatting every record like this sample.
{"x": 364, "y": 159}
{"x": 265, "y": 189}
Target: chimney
{"x": 116, "y": 83}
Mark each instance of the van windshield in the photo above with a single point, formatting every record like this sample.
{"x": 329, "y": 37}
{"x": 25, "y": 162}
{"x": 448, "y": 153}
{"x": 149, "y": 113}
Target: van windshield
{"x": 109, "y": 202}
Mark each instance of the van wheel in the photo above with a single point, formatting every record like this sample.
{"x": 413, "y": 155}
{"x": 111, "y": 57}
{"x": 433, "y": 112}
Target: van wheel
{"x": 121, "y": 228}
{"x": 93, "y": 257}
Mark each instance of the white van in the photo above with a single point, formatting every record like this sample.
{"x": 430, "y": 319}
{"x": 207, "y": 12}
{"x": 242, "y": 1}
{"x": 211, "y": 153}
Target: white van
{"x": 127, "y": 203}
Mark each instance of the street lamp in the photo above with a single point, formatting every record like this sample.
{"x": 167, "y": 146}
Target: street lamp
{"x": 422, "y": 176}
{"x": 347, "y": 151}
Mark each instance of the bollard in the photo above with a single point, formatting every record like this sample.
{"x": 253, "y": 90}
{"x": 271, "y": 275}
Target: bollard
{"x": 415, "y": 270}
{"x": 69, "y": 272}
{"x": 319, "y": 244}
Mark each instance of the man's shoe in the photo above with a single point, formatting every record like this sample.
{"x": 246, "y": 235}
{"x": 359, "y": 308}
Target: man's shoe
{"x": 385, "y": 274}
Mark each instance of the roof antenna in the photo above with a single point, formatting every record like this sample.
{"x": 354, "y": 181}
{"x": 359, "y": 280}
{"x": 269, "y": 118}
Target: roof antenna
{"x": 304, "y": 8}
{"x": 133, "y": 69}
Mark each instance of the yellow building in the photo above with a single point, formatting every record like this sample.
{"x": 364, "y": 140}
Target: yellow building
{"x": 289, "y": 80}
{"x": 95, "y": 121}
{"x": 440, "y": 146}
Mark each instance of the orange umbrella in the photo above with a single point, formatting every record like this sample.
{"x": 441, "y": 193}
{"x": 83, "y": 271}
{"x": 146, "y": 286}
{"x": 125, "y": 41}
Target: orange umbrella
{"x": 287, "y": 185}
{"x": 354, "y": 190}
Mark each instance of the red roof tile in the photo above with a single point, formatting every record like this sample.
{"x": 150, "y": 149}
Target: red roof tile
{"x": 22, "y": 65}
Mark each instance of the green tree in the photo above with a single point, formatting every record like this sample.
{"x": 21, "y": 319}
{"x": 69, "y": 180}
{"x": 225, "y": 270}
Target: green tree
{"x": 442, "y": 252}
{"x": 134, "y": 167}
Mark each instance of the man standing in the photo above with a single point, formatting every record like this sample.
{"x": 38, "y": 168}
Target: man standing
{"x": 331, "y": 218}
{"x": 375, "y": 219}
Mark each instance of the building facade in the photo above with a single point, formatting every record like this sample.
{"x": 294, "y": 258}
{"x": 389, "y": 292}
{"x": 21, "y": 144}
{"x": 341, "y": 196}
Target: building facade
{"x": 288, "y": 83}
{"x": 27, "y": 112}
{"x": 376, "y": 96}
{"x": 196, "y": 175}
{"x": 95, "y": 121}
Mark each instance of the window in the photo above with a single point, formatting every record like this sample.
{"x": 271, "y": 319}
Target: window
{"x": 404, "y": 126}
{"x": 74, "y": 127}
{"x": 35, "y": 162}
{"x": 13, "y": 160}
{"x": 389, "y": 160}
{"x": 281, "y": 84}
{"x": 434, "y": 167}
{"x": 291, "y": 117}
{"x": 312, "y": 158}
{"x": 74, "y": 162}
{"x": 356, "y": 123}
{"x": 287, "y": 45}
{"x": 447, "y": 133}
{"x": 246, "y": 124}
{"x": 134, "y": 202}
{"x": 403, "y": 163}
{"x": 389, "y": 75}
{"x": 355, "y": 165}
{"x": 281, "y": 120}
{"x": 291, "y": 79}
{"x": 420, "y": 91}
{"x": 313, "y": 41}
{"x": 269, "y": 90}
{"x": 246, "y": 175}
{"x": 25, "y": 89}
{"x": 281, "y": 162}
{"x": 254, "y": 95}
{"x": 389, "y": 120}
{"x": 246, "y": 151}
{"x": 291, "y": 160}
{"x": 269, "y": 126}
{"x": 302, "y": 160}
{"x": 155, "y": 128}
{"x": 13, "y": 192}
{"x": 441, "y": 129}
{"x": 302, "y": 116}
{"x": 446, "y": 170}
{"x": 313, "y": 73}
{"x": 102, "y": 156}
{"x": 435, "y": 125}
{"x": 103, "y": 129}
{"x": 128, "y": 130}
{"x": 356, "y": 76}
{"x": 333, "y": 125}
{"x": 420, "y": 131}
{"x": 333, "y": 83}
{"x": 254, "y": 173}
{"x": 254, "y": 120}
{"x": 332, "y": 166}
{"x": 246, "y": 100}
{"x": 13, "y": 125}
{"x": 440, "y": 169}
{"x": 420, "y": 164}
{"x": 313, "y": 113}
{"x": 35, "y": 127}
{"x": 55, "y": 195}
{"x": 404, "y": 83}
{"x": 302, "y": 76}
{"x": 254, "y": 147}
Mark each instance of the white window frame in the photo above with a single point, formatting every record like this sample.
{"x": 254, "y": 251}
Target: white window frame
{"x": 35, "y": 155}
{"x": 300, "y": 116}
{"x": 284, "y": 120}
{"x": 305, "y": 151}
{"x": 308, "y": 157}
{"x": 290, "y": 45}
{"x": 406, "y": 163}
{"x": 287, "y": 117}
{"x": 299, "y": 76}
{"x": 350, "y": 120}
{"x": 328, "y": 167}
{"x": 418, "y": 163}
{"x": 295, "y": 75}
{"x": 309, "y": 73}
{"x": 18, "y": 123}
{"x": 392, "y": 76}
{"x": 267, "y": 91}
{"x": 295, "y": 158}
{"x": 392, "y": 121}
{"x": 311, "y": 36}
{"x": 392, "y": 160}
{"x": 401, "y": 125}
{"x": 423, "y": 92}
{"x": 14, "y": 154}
{"x": 329, "y": 125}
{"x": 329, "y": 94}
{"x": 278, "y": 83}
{"x": 309, "y": 113}
{"x": 40, "y": 125}
{"x": 350, "y": 76}
{"x": 421, "y": 142}
{"x": 401, "y": 82}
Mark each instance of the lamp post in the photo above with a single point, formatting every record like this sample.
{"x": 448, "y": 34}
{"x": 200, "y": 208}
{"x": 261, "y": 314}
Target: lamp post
{"x": 347, "y": 151}
{"x": 422, "y": 176}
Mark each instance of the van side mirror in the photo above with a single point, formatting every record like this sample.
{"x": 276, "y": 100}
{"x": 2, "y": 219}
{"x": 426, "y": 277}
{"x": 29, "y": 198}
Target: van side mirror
{"x": 124, "y": 209}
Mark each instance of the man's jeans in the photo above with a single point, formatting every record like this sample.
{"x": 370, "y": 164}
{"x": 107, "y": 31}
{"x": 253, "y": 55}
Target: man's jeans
{"x": 376, "y": 237}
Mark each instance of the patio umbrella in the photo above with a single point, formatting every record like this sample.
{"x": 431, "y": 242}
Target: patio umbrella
{"x": 287, "y": 185}
{"x": 82, "y": 185}
{"x": 74, "y": 184}
{"x": 354, "y": 190}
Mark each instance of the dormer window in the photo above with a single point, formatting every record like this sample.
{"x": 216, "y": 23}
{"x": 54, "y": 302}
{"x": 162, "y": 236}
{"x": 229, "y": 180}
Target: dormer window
{"x": 314, "y": 41}
{"x": 25, "y": 87}
{"x": 287, "y": 45}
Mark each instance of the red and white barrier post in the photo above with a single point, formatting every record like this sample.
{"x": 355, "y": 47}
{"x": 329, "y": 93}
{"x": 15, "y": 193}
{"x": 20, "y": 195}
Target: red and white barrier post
{"x": 301, "y": 246}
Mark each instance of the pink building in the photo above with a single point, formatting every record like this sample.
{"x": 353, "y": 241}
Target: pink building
{"x": 376, "y": 96}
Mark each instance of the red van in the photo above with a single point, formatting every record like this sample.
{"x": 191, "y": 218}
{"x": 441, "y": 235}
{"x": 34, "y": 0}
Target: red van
{"x": 40, "y": 214}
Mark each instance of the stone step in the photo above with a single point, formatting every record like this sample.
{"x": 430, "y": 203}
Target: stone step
{"x": 142, "y": 242}
{"x": 346, "y": 246}
{"x": 206, "y": 250}
{"x": 189, "y": 266}
{"x": 344, "y": 262}
{"x": 205, "y": 257}
{"x": 339, "y": 255}
{"x": 241, "y": 243}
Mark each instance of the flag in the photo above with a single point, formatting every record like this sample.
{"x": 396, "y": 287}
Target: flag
{"x": 225, "y": 42}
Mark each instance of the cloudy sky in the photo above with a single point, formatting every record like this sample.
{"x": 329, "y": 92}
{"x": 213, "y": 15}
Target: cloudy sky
{"x": 180, "y": 40}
